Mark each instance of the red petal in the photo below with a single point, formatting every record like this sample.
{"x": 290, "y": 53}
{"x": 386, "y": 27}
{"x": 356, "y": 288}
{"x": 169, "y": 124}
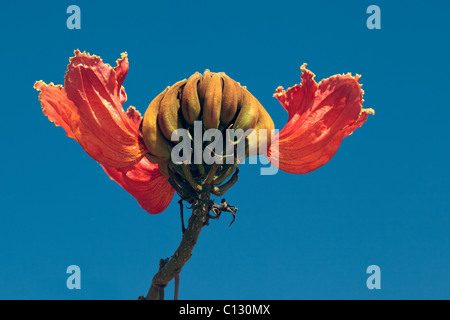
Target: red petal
{"x": 89, "y": 108}
{"x": 56, "y": 106}
{"x": 135, "y": 116}
{"x": 320, "y": 116}
{"x": 145, "y": 182}
{"x": 121, "y": 71}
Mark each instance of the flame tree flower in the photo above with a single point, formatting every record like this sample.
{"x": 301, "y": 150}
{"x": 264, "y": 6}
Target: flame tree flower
{"x": 137, "y": 151}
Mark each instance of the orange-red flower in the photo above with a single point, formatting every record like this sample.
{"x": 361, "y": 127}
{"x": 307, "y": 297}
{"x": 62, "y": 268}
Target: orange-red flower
{"x": 320, "y": 116}
{"x": 89, "y": 108}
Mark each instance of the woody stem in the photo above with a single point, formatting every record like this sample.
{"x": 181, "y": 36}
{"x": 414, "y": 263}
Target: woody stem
{"x": 199, "y": 217}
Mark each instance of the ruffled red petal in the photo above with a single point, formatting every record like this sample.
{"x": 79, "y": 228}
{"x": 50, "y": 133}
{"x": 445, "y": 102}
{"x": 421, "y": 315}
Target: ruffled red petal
{"x": 144, "y": 182}
{"x": 89, "y": 108}
{"x": 57, "y": 107}
{"x": 320, "y": 116}
{"x": 121, "y": 71}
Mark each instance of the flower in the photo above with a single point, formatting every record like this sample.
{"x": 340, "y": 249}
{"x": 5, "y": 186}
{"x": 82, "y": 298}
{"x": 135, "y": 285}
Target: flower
{"x": 320, "y": 116}
{"x": 135, "y": 151}
{"x": 89, "y": 108}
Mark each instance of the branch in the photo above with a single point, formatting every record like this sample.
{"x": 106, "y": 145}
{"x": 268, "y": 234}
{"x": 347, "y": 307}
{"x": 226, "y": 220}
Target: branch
{"x": 199, "y": 217}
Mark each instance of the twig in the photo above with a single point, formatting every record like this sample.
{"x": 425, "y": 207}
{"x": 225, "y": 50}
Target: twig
{"x": 183, "y": 228}
{"x": 200, "y": 209}
{"x": 177, "y": 285}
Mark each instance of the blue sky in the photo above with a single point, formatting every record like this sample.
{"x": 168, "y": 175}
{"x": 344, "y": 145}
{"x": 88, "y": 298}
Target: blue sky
{"x": 382, "y": 200}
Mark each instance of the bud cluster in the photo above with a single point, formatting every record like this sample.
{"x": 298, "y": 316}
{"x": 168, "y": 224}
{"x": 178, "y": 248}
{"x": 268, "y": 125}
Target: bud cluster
{"x": 221, "y": 105}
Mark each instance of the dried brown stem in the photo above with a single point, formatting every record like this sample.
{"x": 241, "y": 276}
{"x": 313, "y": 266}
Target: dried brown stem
{"x": 199, "y": 217}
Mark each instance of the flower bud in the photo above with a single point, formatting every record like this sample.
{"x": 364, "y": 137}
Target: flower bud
{"x": 220, "y": 103}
